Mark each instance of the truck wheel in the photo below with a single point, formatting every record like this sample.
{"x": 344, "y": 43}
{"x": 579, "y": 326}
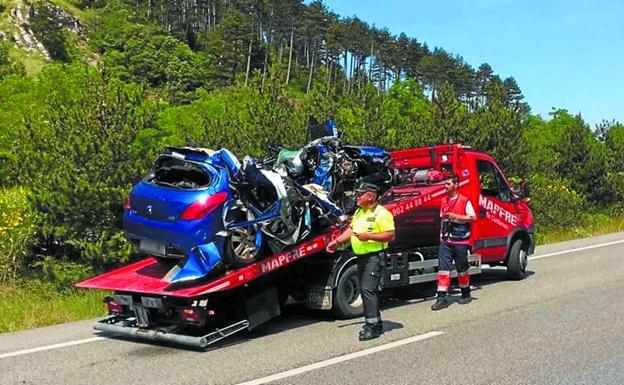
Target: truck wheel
{"x": 517, "y": 261}
{"x": 347, "y": 301}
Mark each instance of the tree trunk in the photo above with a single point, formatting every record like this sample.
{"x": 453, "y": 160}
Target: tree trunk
{"x": 292, "y": 35}
{"x": 370, "y": 65}
{"x": 330, "y": 68}
{"x": 311, "y": 72}
{"x": 248, "y": 62}
{"x": 264, "y": 69}
{"x": 214, "y": 15}
{"x": 352, "y": 63}
{"x": 358, "y": 65}
{"x": 344, "y": 83}
{"x": 306, "y": 53}
{"x": 209, "y": 18}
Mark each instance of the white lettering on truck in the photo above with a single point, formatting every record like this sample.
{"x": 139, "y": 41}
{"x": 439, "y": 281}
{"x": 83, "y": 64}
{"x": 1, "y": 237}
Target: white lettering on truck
{"x": 496, "y": 212}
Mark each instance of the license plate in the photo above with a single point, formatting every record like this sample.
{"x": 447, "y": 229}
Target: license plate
{"x": 153, "y": 303}
{"x": 319, "y": 299}
{"x": 152, "y": 247}
{"x": 123, "y": 299}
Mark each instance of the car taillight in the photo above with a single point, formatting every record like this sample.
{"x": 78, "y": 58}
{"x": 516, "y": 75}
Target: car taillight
{"x": 127, "y": 205}
{"x": 203, "y": 206}
{"x": 190, "y": 315}
{"x": 114, "y": 307}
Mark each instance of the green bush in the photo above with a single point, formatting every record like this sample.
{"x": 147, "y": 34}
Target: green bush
{"x": 8, "y": 66}
{"x": 16, "y": 232}
{"x": 554, "y": 203}
{"x": 81, "y": 160}
{"x": 62, "y": 274}
{"x": 240, "y": 119}
{"x": 616, "y": 180}
{"x": 148, "y": 54}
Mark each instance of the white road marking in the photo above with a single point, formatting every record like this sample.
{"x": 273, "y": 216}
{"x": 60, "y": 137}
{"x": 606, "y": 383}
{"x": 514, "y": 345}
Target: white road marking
{"x": 574, "y": 250}
{"x": 50, "y": 347}
{"x": 337, "y": 360}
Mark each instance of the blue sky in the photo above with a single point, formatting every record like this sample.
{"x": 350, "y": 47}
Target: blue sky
{"x": 563, "y": 53}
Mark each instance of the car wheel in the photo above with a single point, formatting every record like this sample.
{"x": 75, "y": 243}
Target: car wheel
{"x": 244, "y": 244}
{"x": 517, "y": 261}
{"x": 347, "y": 301}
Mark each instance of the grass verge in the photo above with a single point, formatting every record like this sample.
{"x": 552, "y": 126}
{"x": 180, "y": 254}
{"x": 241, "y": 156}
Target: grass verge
{"x": 34, "y": 304}
{"x": 593, "y": 225}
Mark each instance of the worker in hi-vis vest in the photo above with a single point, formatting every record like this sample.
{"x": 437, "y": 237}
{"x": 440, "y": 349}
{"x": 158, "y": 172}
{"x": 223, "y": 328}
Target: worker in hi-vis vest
{"x": 371, "y": 228}
{"x": 457, "y": 215}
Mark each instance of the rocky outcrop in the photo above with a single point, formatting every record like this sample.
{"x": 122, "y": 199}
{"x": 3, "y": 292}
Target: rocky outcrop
{"x": 24, "y": 35}
{"x": 21, "y": 16}
{"x": 66, "y": 19}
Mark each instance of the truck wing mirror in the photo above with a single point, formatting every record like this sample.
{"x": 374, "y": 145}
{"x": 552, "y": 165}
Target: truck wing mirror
{"x": 524, "y": 190}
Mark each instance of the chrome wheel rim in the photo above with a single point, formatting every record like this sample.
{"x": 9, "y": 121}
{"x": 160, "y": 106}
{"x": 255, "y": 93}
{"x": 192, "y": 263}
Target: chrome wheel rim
{"x": 524, "y": 260}
{"x": 243, "y": 242}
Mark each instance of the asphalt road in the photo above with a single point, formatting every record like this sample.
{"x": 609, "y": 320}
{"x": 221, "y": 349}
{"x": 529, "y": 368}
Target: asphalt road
{"x": 564, "y": 324}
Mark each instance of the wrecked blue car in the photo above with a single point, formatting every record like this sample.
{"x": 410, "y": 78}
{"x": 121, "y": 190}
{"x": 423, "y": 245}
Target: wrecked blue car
{"x": 201, "y": 211}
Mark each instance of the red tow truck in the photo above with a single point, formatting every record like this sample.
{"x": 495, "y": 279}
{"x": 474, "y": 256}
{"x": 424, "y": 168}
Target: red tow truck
{"x": 200, "y": 313}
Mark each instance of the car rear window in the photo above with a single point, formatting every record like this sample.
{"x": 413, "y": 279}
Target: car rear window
{"x": 178, "y": 173}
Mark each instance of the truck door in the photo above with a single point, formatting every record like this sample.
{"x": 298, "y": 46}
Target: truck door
{"x": 496, "y": 213}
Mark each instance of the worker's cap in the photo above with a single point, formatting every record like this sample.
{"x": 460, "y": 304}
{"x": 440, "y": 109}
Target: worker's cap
{"x": 367, "y": 187}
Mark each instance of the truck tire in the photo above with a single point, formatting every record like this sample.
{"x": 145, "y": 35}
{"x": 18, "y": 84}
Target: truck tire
{"x": 517, "y": 261}
{"x": 347, "y": 301}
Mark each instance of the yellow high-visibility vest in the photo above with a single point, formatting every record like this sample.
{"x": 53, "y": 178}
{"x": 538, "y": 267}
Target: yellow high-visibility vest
{"x": 375, "y": 220}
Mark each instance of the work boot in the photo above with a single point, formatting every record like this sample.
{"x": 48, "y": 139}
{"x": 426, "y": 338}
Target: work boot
{"x": 371, "y": 331}
{"x": 441, "y": 302}
{"x": 378, "y": 325}
{"x": 465, "y": 296}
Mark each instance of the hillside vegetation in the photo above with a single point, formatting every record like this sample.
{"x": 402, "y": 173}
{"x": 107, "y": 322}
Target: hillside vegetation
{"x": 91, "y": 90}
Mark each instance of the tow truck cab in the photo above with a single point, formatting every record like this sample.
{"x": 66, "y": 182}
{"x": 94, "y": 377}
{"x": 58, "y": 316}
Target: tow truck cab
{"x": 504, "y": 231}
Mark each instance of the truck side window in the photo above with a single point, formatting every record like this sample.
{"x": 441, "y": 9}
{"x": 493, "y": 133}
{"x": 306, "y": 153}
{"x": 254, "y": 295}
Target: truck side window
{"x": 492, "y": 182}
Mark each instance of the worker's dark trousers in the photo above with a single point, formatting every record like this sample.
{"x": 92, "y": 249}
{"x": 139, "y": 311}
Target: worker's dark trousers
{"x": 369, "y": 272}
{"x": 447, "y": 253}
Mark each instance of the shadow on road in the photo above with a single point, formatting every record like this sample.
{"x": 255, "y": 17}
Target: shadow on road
{"x": 296, "y": 315}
